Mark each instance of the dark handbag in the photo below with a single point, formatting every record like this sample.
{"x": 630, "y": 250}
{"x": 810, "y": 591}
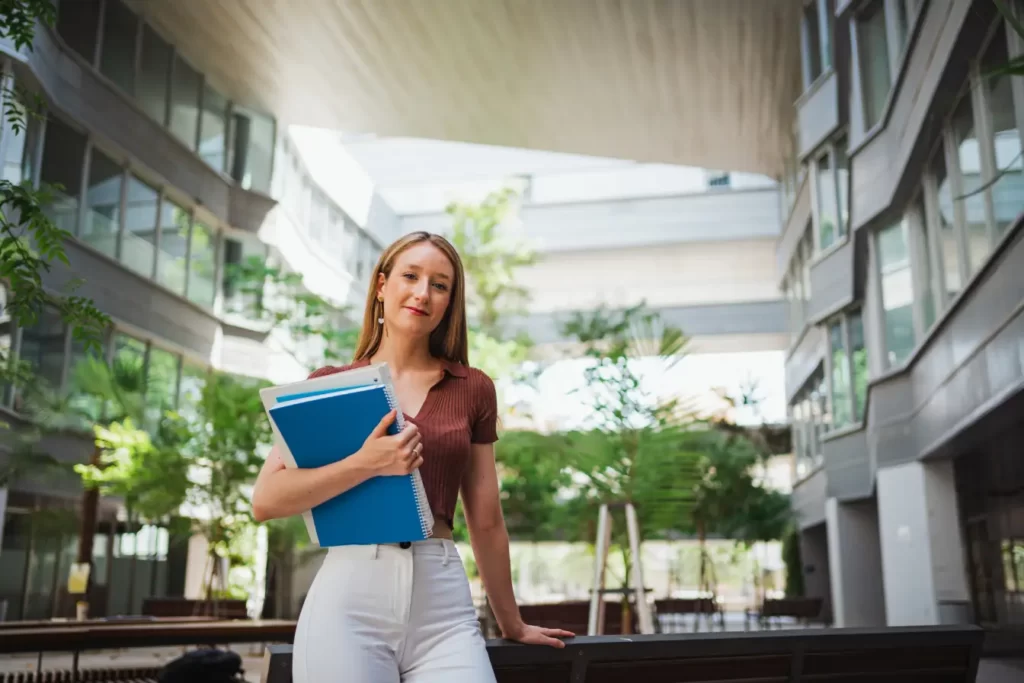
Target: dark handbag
{"x": 207, "y": 665}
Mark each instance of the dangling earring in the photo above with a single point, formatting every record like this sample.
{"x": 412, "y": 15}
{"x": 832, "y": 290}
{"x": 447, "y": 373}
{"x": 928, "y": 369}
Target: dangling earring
{"x": 380, "y": 320}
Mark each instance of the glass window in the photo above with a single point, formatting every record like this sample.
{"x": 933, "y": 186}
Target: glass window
{"x": 238, "y": 252}
{"x": 154, "y": 74}
{"x": 859, "y": 360}
{"x": 103, "y": 203}
{"x": 213, "y": 131}
{"x": 190, "y": 389}
{"x": 161, "y": 384}
{"x": 897, "y": 292}
{"x": 42, "y": 347}
{"x": 185, "y": 102}
{"x": 14, "y": 159}
{"x": 902, "y": 24}
{"x": 841, "y": 405}
{"x": 973, "y": 196}
{"x": 923, "y": 266}
{"x": 253, "y": 150}
{"x": 63, "y": 154}
{"x": 806, "y": 254}
{"x": 130, "y": 355}
{"x": 812, "y": 43}
{"x": 202, "y": 263}
{"x": 842, "y": 186}
{"x": 949, "y": 259}
{"x": 810, "y": 419}
{"x": 873, "y": 57}
{"x": 171, "y": 259}
{"x": 828, "y": 212}
{"x": 138, "y": 247}
{"x": 78, "y": 25}
{"x": 84, "y": 403}
{"x": 120, "y": 34}
{"x": 1008, "y": 189}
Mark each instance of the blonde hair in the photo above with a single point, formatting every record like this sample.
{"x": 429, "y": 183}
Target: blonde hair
{"x": 449, "y": 340}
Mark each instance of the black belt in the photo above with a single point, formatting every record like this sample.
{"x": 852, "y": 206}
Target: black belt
{"x": 405, "y": 544}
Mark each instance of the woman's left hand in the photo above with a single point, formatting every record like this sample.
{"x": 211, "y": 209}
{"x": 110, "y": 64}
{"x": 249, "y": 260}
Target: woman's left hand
{"x": 538, "y": 635}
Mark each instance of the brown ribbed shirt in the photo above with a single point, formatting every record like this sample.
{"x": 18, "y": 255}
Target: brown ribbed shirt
{"x": 460, "y": 410}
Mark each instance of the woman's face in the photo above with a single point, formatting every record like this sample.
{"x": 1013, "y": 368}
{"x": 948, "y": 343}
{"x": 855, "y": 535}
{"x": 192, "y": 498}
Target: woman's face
{"x": 417, "y": 292}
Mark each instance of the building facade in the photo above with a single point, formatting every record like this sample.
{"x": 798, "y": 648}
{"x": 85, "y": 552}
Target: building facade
{"x": 165, "y": 184}
{"x": 902, "y": 262}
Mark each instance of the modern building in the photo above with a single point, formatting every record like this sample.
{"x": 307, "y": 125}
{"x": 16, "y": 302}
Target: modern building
{"x": 178, "y": 160}
{"x": 902, "y": 259}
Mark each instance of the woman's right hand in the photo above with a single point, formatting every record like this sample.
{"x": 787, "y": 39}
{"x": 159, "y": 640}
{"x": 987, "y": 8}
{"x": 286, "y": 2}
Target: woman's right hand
{"x": 387, "y": 454}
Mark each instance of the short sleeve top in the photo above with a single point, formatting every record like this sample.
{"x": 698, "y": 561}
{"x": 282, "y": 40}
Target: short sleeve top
{"x": 460, "y": 410}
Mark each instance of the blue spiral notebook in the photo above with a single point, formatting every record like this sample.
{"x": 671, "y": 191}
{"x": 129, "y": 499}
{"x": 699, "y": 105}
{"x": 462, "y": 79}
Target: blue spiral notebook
{"x": 320, "y": 427}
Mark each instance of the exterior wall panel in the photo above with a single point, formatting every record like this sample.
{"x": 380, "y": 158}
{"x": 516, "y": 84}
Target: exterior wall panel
{"x": 832, "y": 286}
{"x": 818, "y": 113}
{"x": 973, "y": 362}
{"x": 793, "y": 230}
{"x": 808, "y": 499}
{"x": 136, "y": 300}
{"x": 803, "y": 359}
{"x": 848, "y": 466}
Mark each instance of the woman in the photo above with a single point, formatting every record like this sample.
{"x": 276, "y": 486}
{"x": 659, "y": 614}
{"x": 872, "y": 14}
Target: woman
{"x": 403, "y": 612}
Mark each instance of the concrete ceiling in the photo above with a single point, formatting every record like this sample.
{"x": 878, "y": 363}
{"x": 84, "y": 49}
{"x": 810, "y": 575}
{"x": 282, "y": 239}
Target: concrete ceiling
{"x": 706, "y": 83}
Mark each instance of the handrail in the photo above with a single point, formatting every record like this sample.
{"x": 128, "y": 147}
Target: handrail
{"x": 78, "y": 638}
{"x": 951, "y": 652}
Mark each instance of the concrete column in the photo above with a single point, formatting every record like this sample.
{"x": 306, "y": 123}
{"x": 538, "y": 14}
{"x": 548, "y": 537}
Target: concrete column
{"x": 3, "y": 514}
{"x": 855, "y": 563}
{"x": 922, "y": 549}
{"x": 197, "y": 569}
{"x": 814, "y": 557}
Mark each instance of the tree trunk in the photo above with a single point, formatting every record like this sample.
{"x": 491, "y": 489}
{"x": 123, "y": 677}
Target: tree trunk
{"x": 87, "y": 528}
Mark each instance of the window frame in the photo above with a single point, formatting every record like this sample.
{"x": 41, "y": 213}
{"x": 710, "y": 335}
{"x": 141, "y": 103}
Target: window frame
{"x": 831, "y": 149}
{"x": 824, "y": 30}
{"x": 897, "y": 56}
{"x": 924, "y": 233}
{"x": 843, "y": 320}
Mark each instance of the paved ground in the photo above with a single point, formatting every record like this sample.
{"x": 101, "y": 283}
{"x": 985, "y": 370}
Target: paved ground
{"x": 1001, "y": 671}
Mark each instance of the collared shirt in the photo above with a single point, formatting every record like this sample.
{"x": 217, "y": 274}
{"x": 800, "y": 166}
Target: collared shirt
{"x": 459, "y": 410}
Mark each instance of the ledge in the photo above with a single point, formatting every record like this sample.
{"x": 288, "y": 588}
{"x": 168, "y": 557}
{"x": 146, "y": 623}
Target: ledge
{"x": 971, "y": 363}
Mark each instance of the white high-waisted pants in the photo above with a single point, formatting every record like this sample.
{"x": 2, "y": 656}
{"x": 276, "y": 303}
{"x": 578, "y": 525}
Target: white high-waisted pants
{"x": 387, "y": 614}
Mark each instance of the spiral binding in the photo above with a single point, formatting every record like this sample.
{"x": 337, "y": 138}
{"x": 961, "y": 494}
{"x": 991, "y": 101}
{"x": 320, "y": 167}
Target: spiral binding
{"x": 420, "y": 492}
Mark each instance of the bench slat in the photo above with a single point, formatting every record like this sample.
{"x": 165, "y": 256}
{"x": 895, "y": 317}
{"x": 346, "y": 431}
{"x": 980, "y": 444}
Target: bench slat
{"x": 890, "y": 655}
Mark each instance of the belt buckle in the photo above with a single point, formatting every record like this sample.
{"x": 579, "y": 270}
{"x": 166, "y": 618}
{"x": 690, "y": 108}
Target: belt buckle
{"x": 405, "y": 544}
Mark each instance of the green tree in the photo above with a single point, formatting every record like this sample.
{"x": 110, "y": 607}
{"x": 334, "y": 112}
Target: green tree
{"x": 533, "y": 473}
{"x": 491, "y": 256}
{"x": 223, "y": 440}
{"x": 791, "y": 557}
{"x": 635, "y": 449}
{"x": 279, "y": 298}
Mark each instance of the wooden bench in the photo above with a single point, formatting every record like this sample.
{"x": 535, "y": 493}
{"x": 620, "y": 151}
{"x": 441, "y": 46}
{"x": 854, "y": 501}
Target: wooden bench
{"x": 183, "y": 607}
{"x": 941, "y": 654}
{"x": 575, "y": 616}
{"x": 805, "y": 610}
{"x": 702, "y": 609}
